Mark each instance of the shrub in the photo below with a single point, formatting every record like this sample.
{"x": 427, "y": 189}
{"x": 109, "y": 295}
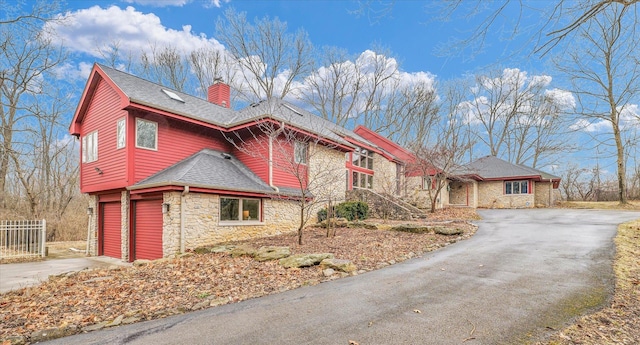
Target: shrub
{"x": 352, "y": 210}
{"x": 322, "y": 215}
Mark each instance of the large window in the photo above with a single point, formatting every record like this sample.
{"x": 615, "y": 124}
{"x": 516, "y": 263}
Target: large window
{"x": 90, "y": 147}
{"x": 361, "y": 180}
{"x": 516, "y": 187}
{"x": 239, "y": 210}
{"x": 362, "y": 158}
{"x": 146, "y": 134}
{"x": 120, "y": 134}
{"x": 300, "y": 152}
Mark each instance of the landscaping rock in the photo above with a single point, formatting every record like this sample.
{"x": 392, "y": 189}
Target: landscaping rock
{"x": 53, "y": 333}
{"x": 364, "y": 225}
{"x": 304, "y": 260}
{"x": 268, "y": 253}
{"x": 242, "y": 250}
{"x": 116, "y": 322}
{"x": 95, "y": 327}
{"x": 224, "y": 248}
{"x": 16, "y": 339}
{"x": 328, "y": 272}
{"x": 338, "y": 265}
{"x": 448, "y": 231}
{"x": 336, "y": 222}
{"x": 414, "y": 228}
{"x": 130, "y": 320}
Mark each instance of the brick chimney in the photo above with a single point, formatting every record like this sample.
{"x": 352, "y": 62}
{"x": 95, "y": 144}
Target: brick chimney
{"x": 219, "y": 93}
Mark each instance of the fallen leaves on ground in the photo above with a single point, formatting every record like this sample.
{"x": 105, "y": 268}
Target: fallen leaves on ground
{"x": 167, "y": 287}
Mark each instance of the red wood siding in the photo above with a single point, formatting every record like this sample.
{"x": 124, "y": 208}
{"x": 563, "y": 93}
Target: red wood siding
{"x": 176, "y": 141}
{"x": 147, "y": 231}
{"x": 258, "y": 158}
{"x": 102, "y": 115}
{"x": 110, "y": 233}
{"x": 283, "y": 175}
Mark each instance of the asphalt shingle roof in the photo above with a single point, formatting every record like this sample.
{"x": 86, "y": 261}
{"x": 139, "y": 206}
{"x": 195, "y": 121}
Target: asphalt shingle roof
{"x": 491, "y": 167}
{"x": 208, "y": 169}
{"x": 150, "y": 94}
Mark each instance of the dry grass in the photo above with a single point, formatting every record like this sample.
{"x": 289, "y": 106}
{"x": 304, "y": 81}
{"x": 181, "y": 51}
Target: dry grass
{"x": 618, "y": 323}
{"x": 601, "y": 205}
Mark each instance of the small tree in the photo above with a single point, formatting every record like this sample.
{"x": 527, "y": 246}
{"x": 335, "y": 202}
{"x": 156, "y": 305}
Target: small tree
{"x": 308, "y": 158}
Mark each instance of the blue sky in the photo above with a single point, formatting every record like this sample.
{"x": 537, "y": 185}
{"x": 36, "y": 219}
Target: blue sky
{"x": 412, "y": 31}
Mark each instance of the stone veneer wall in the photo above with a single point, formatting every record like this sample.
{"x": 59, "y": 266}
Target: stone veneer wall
{"x": 93, "y": 226}
{"x": 124, "y": 221}
{"x": 202, "y": 225}
{"x": 542, "y": 194}
{"x": 327, "y": 178}
{"x": 384, "y": 177}
{"x": 422, "y": 198}
{"x": 491, "y": 195}
{"x": 457, "y": 194}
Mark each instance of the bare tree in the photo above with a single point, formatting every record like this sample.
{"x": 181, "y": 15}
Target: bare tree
{"x": 440, "y": 160}
{"x": 514, "y": 116}
{"x": 269, "y": 58}
{"x": 26, "y": 58}
{"x": 309, "y": 159}
{"x": 605, "y": 74}
{"x": 165, "y": 65}
{"x": 557, "y": 22}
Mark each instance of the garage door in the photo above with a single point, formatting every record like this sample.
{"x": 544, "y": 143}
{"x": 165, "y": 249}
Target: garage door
{"x": 111, "y": 238}
{"x": 147, "y": 230}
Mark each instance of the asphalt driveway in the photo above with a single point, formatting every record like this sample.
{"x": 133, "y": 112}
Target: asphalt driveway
{"x": 524, "y": 273}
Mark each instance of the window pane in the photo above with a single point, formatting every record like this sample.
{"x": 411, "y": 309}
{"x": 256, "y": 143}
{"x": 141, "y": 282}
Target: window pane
{"x": 120, "y": 133}
{"x": 523, "y": 187}
{"x": 84, "y": 149}
{"x": 507, "y": 189}
{"x": 300, "y": 152}
{"x": 146, "y": 134}
{"x": 369, "y": 181}
{"x": 229, "y": 209}
{"x": 363, "y": 180}
{"x": 354, "y": 181}
{"x": 370, "y": 163}
{"x": 355, "y": 156}
{"x": 250, "y": 209}
{"x": 516, "y": 187}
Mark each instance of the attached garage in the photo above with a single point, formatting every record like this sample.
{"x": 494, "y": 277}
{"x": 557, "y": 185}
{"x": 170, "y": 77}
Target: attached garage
{"x": 147, "y": 230}
{"x": 110, "y": 243}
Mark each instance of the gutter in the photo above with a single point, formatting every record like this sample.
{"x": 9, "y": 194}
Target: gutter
{"x": 182, "y": 217}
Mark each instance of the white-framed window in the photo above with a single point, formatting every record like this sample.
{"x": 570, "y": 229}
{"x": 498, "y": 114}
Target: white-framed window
{"x": 362, "y": 158}
{"x": 121, "y": 134}
{"x": 361, "y": 180}
{"x": 300, "y": 151}
{"x": 239, "y": 209}
{"x": 146, "y": 134}
{"x": 516, "y": 187}
{"x": 90, "y": 147}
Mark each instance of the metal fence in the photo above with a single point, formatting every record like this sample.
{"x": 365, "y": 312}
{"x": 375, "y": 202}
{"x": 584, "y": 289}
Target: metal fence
{"x": 22, "y": 238}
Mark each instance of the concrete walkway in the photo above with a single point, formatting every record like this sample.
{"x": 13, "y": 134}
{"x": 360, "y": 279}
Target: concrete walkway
{"x": 524, "y": 273}
{"x": 16, "y": 276}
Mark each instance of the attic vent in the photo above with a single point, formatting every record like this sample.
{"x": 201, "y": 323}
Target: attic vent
{"x": 292, "y": 109}
{"x": 225, "y": 155}
{"x": 173, "y": 95}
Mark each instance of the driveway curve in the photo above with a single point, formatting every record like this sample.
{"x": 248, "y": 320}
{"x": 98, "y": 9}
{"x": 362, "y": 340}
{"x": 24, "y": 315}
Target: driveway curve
{"x": 524, "y": 273}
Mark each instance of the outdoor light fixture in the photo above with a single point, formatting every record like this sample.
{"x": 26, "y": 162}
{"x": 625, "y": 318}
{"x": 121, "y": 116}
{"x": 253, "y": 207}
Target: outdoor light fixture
{"x": 165, "y": 208}
{"x": 98, "y": 170}
{"x": 90, "y": 211}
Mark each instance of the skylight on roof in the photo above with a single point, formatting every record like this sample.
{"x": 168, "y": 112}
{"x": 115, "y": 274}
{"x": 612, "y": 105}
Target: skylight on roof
{"x": 292, "y": 109}
{"x": 173, "y": 95}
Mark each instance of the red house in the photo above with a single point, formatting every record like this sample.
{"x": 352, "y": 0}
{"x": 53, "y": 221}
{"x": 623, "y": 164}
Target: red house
{"x": 168, "y": 172}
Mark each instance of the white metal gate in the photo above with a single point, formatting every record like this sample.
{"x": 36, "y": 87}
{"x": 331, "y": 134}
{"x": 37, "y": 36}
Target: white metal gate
{"x": 21, "y": 238}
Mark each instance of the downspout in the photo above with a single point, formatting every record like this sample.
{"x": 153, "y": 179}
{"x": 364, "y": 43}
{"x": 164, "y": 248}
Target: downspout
{"x": 182, "y": 216}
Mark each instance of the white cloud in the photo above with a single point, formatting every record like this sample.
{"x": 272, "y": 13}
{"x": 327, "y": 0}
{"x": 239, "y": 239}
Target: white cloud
{"x": 74, "y": 72}
{"x": 88, "y": 29}
{"x": 629, "y": 116}
{"x": 562, "y": 98}
{"x": 588, "y": 126}
{"x": 159, "y": 3}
